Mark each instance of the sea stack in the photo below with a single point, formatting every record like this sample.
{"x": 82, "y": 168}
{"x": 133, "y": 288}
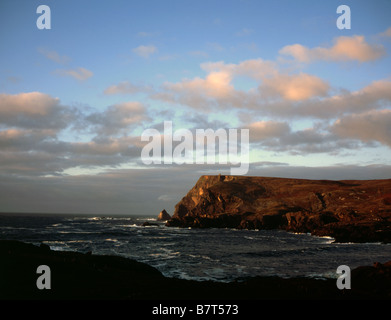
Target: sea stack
{"x": 163, "y": 216}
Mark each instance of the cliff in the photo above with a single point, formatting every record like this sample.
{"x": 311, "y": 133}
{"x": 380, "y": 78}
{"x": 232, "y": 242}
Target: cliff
{"x": 349, "y": 211}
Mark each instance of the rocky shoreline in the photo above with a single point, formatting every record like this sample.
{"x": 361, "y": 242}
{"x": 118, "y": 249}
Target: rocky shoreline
{"x": 78, "y": 276}
{"x": 348, "y": 211}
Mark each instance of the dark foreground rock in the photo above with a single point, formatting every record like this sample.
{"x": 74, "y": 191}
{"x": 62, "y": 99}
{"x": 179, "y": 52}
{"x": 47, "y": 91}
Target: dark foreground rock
{"x": 88, "y": 276}
{"x": 150, "y": 224}
{"x": 349, "y": 211}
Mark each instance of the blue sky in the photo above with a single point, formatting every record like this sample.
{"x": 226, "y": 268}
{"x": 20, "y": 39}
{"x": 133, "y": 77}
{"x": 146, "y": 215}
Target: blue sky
{"x": 75, "y": 99}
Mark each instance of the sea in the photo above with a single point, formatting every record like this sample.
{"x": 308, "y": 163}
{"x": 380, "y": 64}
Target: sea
{"x": 199, "y": 254}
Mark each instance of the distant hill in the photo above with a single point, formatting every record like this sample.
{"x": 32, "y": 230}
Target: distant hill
{"x": 348, "y": 210}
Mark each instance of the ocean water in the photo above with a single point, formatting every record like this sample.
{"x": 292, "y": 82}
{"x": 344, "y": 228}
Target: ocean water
{"x": 198, "y": 254}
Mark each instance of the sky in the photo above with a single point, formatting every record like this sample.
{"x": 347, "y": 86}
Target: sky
{"x": 79, "y": 88}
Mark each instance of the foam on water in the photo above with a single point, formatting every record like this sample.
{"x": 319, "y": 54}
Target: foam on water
{"x": 198, "y": 254}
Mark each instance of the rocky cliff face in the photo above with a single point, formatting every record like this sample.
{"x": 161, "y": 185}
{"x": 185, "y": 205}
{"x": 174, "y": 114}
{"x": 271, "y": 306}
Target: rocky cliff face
{"x": 358, "y": 211}
{"x": 163, "y": 215}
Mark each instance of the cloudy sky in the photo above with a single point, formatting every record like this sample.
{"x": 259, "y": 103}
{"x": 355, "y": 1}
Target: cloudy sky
{"x": 76, "y": 98}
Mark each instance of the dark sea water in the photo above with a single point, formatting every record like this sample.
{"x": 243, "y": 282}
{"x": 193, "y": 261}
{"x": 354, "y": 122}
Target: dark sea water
{"x": 199, "y": 254}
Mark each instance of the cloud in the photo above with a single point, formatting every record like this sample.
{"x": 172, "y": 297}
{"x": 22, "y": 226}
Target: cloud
{"x": 277, "y": 136}
{"x": 273, "y": 92}
{"x": 217, "y": 89}
{"x": 34, "y": 110}
{"x": 125, "y": 87}
{"x": 333, "y": 172}
{"x": 287, "y": 111}
{"x": 295, "y": 87}
{"x": 352, "y": 131}
{"x": 263, "y": 130}
{"x": 33, "y": 126}
{"x": 376, "y": 95}
{"x": 81, "y": 74}
{"x": 32, "y": 103}
{"x": 105, "y": 150}
{"x": 215, "y": 46}
{"x": 145, "y": 51}
{"x": 311, "y": 141}
{"x": 13, "y": 79}
{"x": 117, "y": 118}
{"x": 115, "y": 192}
{"x": 167, "y": 198}
{"x": 216, "y": 84}
{"x": 199, "y": 93}
{"x": 386, "y": 33}
{"x": 257, "y": 69}
{"x": 199, "y": 53}
{"x": 244, "y": 32}
{"x": 345, "y": 48}
{"x": 54, "y": 56}
{"x": 374, "y": 125}
{"x": 145, "y": 34}
{"x": 168, "y": 57}
{"x": 41, "y": 153}
{"x": 15, "y": 141}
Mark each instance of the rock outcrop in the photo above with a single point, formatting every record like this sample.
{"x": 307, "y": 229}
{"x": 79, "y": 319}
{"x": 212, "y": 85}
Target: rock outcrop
{"x": 163, "y": 215}
{"x": 78, "y": 276}
{"x": 353, "y": 211}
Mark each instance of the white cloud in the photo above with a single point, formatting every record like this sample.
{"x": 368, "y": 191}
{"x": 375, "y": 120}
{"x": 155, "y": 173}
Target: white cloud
{"x": 386, "y": 33}
{"x": 217, "y": 89}
{"x": 54, "y": 56}
{"x": 125, "y": 87}
{"x": 167, "y": 198}
{"x": 376, "y": 95}
{"x": 145, "y": 51}
{"x": 32, "y": 103}
{"x": 257, "y": 69}
{"x": 296, "y": 87}
{"x": 344, "y": 49}
{"x": 33, "y": 110}
{"x": 81, "y": 74}
{"x": 263, "y": 130}
{"x": 33, "y": 124}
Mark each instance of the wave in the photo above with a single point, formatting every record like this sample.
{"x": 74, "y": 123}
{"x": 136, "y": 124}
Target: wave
{"x": 197, "y": 254}
{"x": 146, "y": 219}
{"x": 286, "y": 252}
